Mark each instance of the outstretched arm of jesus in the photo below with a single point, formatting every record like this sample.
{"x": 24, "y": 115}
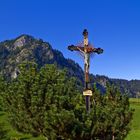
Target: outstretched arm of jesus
{"x": 80, "y": 50}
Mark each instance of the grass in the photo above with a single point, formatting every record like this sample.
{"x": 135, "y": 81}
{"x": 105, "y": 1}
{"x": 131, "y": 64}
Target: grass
{"x": 135, "y": 125}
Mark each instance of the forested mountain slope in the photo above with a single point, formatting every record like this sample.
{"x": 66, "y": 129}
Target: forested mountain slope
{"x": 27, "y": 48}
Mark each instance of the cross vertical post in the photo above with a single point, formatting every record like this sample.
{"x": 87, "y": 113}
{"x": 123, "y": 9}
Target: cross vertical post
{"x": 86, "y": 71}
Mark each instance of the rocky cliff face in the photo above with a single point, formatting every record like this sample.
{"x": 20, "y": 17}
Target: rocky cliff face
{"x": 27, "y": 48}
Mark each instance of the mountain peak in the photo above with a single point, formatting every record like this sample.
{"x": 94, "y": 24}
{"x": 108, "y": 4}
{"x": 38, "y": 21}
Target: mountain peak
{"x": 25, "y": 36}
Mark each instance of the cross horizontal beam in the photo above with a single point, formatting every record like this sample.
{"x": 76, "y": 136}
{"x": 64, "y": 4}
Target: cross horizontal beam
{"x": 89, "y": 49}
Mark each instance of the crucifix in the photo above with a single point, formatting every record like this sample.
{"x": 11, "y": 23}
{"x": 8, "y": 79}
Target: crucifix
{"x": 86, "y": 50}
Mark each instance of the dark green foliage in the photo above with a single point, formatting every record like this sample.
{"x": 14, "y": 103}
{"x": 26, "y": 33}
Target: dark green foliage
{"x": 35, "y": 95}
{"x": 47, "y": 102}
{"x": 3, "y": 132}
{"x": 3, "y": 90}
{"x": 113, "y": 114}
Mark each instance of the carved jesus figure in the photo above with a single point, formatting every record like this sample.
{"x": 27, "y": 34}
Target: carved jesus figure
{"x": 86, "y": 56}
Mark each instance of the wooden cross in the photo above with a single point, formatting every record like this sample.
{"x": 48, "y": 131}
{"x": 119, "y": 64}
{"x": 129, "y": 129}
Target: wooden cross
{"x": 86, "y": 50}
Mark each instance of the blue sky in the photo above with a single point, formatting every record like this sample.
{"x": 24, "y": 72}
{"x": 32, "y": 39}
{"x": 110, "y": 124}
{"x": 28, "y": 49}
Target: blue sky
{"x": 113, "y": 25}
